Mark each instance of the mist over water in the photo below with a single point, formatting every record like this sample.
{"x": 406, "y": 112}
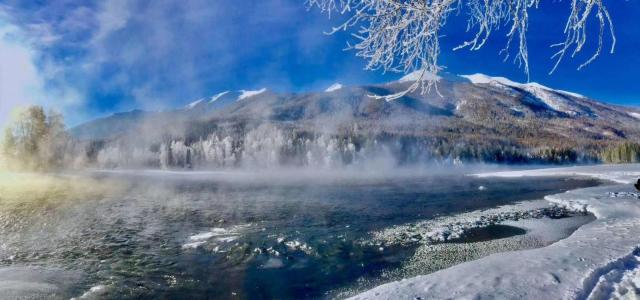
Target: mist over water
{"x": 220, "y": 235}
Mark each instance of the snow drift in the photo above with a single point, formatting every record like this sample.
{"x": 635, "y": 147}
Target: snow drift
{"x": 599, "y": 261}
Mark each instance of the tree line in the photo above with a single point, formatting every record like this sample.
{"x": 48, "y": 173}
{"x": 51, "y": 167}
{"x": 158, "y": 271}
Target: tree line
{"x": 623, "y": 153}
{"x": 38, "y": 141}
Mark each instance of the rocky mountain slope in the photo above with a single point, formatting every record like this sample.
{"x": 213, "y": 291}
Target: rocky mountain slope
{"x": 461, "y": 111}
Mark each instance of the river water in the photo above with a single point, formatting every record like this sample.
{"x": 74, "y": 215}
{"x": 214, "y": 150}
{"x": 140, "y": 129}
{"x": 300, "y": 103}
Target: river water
{"x": 196, "y": 236}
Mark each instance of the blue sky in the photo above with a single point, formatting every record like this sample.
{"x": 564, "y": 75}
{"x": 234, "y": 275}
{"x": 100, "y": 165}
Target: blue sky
{"x": 91, "y": 58}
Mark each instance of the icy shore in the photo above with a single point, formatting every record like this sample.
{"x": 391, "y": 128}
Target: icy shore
{"x": 599, "y": 261}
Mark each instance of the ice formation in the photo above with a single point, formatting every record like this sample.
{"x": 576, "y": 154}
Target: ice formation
{"x": 598, "y": 261}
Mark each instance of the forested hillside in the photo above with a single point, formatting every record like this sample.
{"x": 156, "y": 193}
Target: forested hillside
{"x": 473, "y": 118}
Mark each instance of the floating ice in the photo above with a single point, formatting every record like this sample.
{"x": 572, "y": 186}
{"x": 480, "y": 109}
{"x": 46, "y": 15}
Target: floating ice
{"x": 227, "y": 239}
{"x": 93, "y": 292}
{"x": 297, "y": 245}
{"x": 202, "y": 236}
{"x": 221, "y": 235}
{"x": 193, "y": 245}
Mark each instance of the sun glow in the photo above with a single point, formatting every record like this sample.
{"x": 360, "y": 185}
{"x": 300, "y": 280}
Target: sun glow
{"x": 31, "y": 188}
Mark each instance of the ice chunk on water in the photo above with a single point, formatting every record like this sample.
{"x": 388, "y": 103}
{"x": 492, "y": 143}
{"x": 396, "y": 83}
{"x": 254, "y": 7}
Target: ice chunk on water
{"x": 227, "y": 239}
{"x": 192, "y": 245}
{"x": 221, "y": 235}
{"x": 202, "y": 236}
{"x": 93, "y": 292}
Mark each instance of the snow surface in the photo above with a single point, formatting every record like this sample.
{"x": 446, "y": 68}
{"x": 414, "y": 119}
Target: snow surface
{"x": 484, "y": 79}
{"x": 460, "y": 104}
{"x": 432, "y": 257}
{"x": 546, "y": 94}
{"x": 447, "y": 228}
{"x": 517, "y": 109}
{"x": 246, "y": 94}
{"x": 635, "y": 115}
{"x": 414, "y": 76}
{"x": 572, "y": 94}
{"x": 334, "y": 87}
{"x": 193, "y": 104}
{"x": 624, "y": 174}
{"x": 217, "y": 96}
{"x": 598, "y": 261}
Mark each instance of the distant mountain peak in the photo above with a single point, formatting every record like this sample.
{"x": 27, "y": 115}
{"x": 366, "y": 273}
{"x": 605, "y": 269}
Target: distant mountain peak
{"x": 479, "y": 78}
{"x": 507, "y": 107}
{"x": 558, "y": 100}
{"x": 334, "y": 87}
{"x": 419, "y": 74}
{"x": 218, "y": 96}
{"x": 246, "y": 94}
{"x": 193, "y": 104}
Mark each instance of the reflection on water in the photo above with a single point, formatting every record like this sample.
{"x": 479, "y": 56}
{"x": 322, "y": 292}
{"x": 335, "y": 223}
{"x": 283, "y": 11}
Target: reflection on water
{"x": 193, "y": 237}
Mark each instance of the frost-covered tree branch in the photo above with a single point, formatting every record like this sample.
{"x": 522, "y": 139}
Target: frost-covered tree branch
{"x": 404, "y": 35}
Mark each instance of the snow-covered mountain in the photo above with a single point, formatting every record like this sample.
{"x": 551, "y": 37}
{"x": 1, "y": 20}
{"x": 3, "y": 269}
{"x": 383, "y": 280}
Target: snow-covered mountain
{"x": 557, "y": 100}
{"x": 334, "y": 87}
{"x": 221, "y": 100}
{"x": 469, "y": 109}
{"x": 244, "y": 94}
{"x": 420, "y": 74}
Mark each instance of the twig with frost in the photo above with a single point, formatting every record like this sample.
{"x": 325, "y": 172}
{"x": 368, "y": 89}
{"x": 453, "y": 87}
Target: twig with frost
{"x": 404, "y": 35}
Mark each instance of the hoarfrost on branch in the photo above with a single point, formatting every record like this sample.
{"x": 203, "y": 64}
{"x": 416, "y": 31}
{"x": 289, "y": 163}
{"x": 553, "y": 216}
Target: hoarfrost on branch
{"x": 404, "y": 35}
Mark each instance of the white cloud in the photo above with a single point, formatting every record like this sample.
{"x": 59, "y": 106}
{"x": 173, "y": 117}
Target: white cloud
{"x": 23, "y": 82}
{"x": 117, "y": 55}
{"x": 20, "y": 83}
{"x": 43, "y": 34}
{"x": 113, "y": 16}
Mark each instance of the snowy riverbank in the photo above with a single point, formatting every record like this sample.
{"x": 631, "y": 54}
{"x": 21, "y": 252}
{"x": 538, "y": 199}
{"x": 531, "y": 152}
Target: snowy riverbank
{"x": 599, "y": 261}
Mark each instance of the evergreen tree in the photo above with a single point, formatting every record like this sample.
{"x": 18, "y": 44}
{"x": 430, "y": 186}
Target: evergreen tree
{"x": 622, "y": 153}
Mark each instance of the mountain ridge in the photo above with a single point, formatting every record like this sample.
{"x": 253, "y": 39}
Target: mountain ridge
{"x": 467, "y": 109}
